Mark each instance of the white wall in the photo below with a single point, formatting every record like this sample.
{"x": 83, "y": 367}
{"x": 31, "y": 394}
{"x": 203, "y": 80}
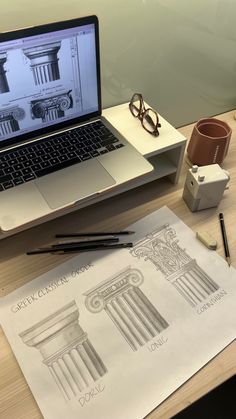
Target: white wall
{"x": 181, "y": 54}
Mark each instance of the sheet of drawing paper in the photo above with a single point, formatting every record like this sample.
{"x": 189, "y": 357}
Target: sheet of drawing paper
{"x": 111, "y": 335}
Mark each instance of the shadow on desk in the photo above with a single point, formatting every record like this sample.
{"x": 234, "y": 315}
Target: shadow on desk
{"x": 99, "y": 216}
{"x": 218, "y": 404}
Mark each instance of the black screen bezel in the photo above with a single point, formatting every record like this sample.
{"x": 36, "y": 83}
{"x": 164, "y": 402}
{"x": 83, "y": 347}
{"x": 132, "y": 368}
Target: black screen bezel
{"x": 50, "y": 27}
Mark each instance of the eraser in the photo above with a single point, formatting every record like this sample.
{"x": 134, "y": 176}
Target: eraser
{"x": 207, "y": 239}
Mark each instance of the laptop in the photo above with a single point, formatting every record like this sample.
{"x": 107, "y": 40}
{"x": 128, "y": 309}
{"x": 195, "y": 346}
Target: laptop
{"x": 56, "y": 149}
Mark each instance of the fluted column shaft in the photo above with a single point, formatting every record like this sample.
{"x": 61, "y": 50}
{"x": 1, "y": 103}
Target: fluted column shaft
{"x": 66, "y": 350}
{"x": 127, "y": 306}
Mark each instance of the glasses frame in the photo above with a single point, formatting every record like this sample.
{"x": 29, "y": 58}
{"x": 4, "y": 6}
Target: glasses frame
{"x": 141, "y": 113}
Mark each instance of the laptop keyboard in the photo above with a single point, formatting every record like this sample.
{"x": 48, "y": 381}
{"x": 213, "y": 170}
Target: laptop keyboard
{"x": 48, "y": 155}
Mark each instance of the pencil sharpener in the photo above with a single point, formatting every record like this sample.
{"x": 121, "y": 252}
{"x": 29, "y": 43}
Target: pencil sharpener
{"x": 204, "y": 186}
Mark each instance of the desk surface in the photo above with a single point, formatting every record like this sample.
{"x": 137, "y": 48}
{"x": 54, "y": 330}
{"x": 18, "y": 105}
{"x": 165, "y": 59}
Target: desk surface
{"x": 16, "y": 269}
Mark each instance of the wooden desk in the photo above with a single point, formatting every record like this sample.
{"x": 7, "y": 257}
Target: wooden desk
{"x": 16, "y": 269}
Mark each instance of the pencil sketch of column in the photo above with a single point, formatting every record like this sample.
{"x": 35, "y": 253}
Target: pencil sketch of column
{"x": 44, "y": 62}
{"x": 66, "y": 350}
{"x": 51, "y": 108}
{"x": 127, "y": 306}
{"x": 9, "y": 118}
{"x": 183, "y": 272}
{"x": 3, "y": 80}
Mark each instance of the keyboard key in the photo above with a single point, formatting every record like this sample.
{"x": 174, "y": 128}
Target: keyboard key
{"x": 3, "y": 165}
{"x": 94, "y": 153}
{"x": 19, "y": 166}
{"x": 110, "y": 147}
{"x": 16, "y": 174}
{"x": 26, "y": 170}
{"x": 28, "y": 177}
{"x": 5, "y": 178}
{"x": 85, "y": 157}
{"x": 8, "y": 185}
{"x": 18, "y": 181}
{"x": 8, "y": 170}
{"x": 54, "y": 161}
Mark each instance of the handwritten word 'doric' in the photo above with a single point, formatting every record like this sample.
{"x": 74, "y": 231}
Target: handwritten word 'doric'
{"x": 87, "y": 397}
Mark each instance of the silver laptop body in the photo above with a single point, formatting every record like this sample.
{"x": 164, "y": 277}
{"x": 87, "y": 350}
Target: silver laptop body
{"x": 50, "y": 99}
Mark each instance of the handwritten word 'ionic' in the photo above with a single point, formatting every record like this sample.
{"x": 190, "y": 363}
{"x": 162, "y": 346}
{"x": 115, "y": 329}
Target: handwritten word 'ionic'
{"x": 157, "y": 344}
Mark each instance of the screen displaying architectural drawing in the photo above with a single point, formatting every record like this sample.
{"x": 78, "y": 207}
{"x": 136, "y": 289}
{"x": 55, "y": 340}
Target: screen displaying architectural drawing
{"x": 51, "y": 77}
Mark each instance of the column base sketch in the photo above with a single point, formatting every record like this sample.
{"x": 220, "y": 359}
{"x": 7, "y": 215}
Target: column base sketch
{"x": 44, "y": 62}
{"x": 162, "y": 249}
{"x": 51, "y": 108}
{"x": 127, "y": 306}
{"x": 66, "y": 350}
{"x": 9, "y": 118}
{"x": 3, "y": 80}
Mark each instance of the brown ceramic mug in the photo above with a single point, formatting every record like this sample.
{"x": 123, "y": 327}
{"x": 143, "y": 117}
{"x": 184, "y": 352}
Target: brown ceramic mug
{"x": 209, "y": 142}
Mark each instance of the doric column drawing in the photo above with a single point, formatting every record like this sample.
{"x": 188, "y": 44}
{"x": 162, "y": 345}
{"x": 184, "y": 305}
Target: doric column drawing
{"x": 51, "y": 108}
{"x": 66, "y": 350}
{"x": 183, "y": 272}
{"x": 3, "y": 80}
{"x": 9, "y": 118}
{"x": 44, "y": 62}
{"x": 127, "y": 306}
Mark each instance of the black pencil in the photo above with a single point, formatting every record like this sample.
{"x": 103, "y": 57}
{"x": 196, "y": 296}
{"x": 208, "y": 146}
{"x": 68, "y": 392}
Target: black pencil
{"x": 85, "y": 243}
{"x": 66, "y": 250}
{"x": 95, "y": 234}
{"x": 224, "y": 236}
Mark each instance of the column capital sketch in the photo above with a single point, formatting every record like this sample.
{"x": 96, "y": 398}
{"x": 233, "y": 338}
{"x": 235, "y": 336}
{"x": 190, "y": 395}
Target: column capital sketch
{"x": 127, "y": 306}
{"x": 44, "y": 62}
{"x": 161, "y": 248}
{"x": 99, "y": 296}
{"x": 66, "y": 350}
{"x": 9, "y": 118}
{"x": 52, "y": 107}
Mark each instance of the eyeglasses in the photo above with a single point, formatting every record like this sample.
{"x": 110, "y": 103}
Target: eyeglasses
{"x": 148, "y": 117}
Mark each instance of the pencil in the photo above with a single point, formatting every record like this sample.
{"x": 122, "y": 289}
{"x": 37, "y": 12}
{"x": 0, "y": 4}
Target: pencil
{"x": 224, "y": 236}
{"x": 87, "y": 243}
{"x": 94, "y": 234}
{"x": 66, "y": 250}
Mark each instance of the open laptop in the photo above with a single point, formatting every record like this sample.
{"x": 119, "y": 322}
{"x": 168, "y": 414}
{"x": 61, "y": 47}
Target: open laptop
{"x": 55, "y": 147}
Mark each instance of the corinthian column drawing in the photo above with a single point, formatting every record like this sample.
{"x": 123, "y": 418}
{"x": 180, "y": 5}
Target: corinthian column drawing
{"x": 9, "y": 118}
{"x": 183, "y": 272}
{"x": 66, "y": 350}
{"x": 44, "y": 62}
{"x": 127, "y": 306}
{"x": 52, "y": 107}
{"x": 3, "y": 80}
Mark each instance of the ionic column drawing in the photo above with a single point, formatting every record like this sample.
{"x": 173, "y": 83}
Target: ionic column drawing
{"x": 127, "y": 306}
{"x": 3, "y": 80}
{"x": 9, "y": 118}
{"x": 183, "y": 272}
{"x": 52, "y": 107}
{"x": 66, "y": 350}
{"x": 44, "y": 62}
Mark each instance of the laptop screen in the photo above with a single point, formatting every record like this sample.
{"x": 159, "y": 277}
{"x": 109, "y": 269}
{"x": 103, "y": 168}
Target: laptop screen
{"x": 49, "y": 78}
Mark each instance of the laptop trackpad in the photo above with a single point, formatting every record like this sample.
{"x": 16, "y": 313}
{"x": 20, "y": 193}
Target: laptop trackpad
{"x": 74, "y": 183}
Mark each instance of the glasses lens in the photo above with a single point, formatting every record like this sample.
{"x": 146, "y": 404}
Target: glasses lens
{"x": 150, "y": 121}
{"x": 136, "y": 105}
